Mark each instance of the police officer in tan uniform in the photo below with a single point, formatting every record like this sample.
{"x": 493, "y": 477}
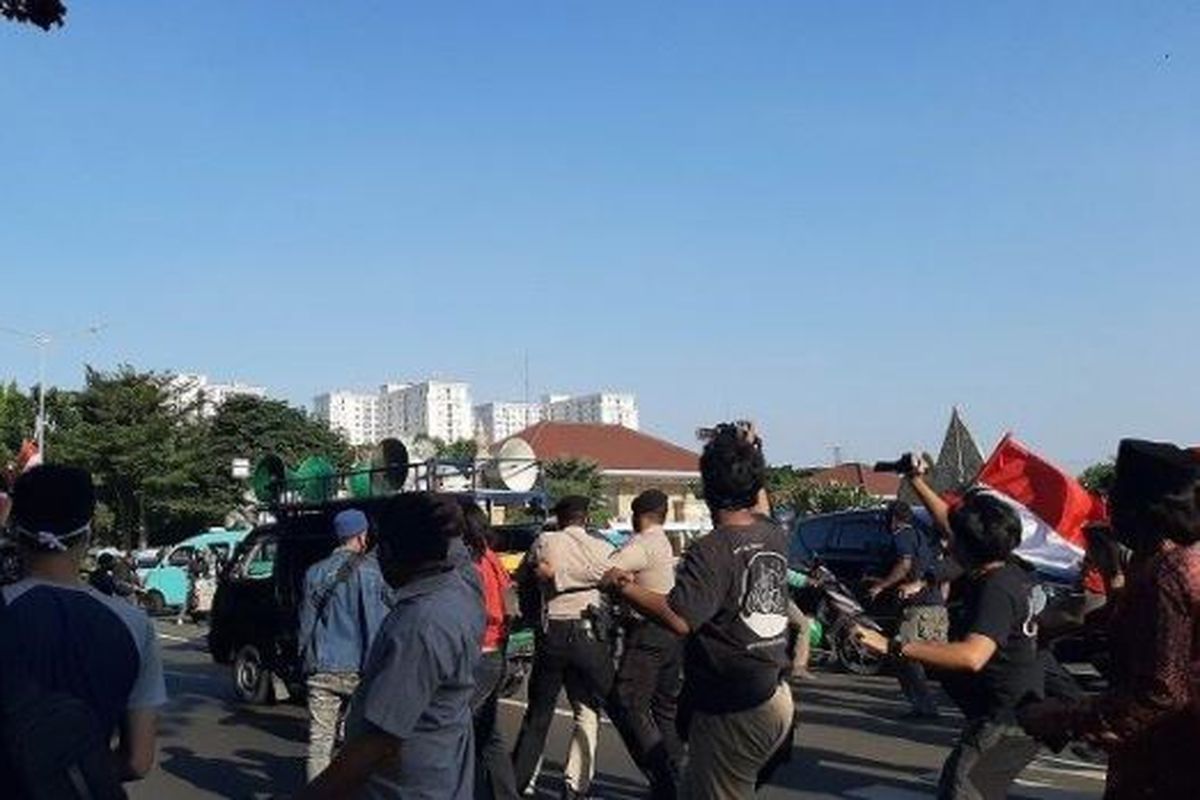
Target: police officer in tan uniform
{"x": 570, "y": 649}
{"x": 646, "y": 692}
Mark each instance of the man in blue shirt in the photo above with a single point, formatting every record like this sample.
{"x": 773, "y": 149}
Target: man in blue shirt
{"x": 409, "y": 731}
{"x": 65, "y": 637}
{"x": 344, "y": 605}
{"x": 923, "y": 609}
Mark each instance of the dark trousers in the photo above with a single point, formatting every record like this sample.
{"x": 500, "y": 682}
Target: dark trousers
{"x": 566, "y": 654}
{"x": 493, "y": 767}
{"x": 987, "y": 759}
{"x": 644, "y": 701}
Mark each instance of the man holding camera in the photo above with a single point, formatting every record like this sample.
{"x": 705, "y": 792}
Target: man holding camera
{"x": 990, "y": 664}
{"x": 729, "y": 602}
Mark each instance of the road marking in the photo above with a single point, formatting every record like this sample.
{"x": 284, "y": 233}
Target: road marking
{"x": 558, "y": 712}
{"x": 171, "y": 638}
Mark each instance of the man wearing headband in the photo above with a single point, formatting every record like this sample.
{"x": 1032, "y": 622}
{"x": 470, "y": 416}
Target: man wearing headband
{"x": 68, "y": 639}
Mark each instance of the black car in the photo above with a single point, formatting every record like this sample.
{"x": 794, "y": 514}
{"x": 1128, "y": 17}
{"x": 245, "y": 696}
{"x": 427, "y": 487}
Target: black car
{"x": 852, "y": 544}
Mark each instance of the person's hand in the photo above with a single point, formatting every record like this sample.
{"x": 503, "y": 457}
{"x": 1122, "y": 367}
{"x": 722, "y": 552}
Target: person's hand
{"x": 544, "y": 571}
{"x": 1045, "y": 721}
{"x": 873, "y": 640}
{"x": 910, "y": 589}
{"x": 616, "y": 579}
{"x": 920, "y": 465}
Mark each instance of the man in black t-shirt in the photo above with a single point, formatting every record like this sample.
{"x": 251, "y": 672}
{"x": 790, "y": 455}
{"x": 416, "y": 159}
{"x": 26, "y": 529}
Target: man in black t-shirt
{"x": 923, "y": 609}
{"x": 990, "y": 665}
{"x": 730, "y": 602}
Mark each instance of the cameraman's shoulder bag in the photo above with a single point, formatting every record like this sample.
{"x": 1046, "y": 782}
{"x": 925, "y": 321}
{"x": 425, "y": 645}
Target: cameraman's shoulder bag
{"x": 51, "y": 745}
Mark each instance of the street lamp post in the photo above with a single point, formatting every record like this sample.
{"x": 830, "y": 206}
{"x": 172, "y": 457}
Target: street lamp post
{"x": 43, "y": 341}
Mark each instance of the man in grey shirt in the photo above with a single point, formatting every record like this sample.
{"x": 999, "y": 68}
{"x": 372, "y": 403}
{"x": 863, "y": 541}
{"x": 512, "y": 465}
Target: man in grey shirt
{"x": 409, "y": 730}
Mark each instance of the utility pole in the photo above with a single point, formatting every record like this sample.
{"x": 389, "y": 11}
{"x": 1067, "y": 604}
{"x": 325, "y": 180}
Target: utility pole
{"x": 43, "y": 341}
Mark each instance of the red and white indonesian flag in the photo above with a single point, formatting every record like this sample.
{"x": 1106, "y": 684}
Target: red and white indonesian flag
{"x": 1054, "y": 507}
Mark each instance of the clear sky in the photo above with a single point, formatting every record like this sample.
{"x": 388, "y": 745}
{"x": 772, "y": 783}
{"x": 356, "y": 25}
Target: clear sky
{"x": 839, "y": 219}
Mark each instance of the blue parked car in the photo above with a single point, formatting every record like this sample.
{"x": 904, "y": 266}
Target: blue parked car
{"x": 165, "y": 584}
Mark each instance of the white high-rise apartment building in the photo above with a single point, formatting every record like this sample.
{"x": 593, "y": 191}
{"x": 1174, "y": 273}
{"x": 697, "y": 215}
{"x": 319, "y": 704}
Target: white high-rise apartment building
{"x": 498, "y": 421}
{"x": 354, "y": 414}
{"x": 192, "y": 390}
{"x": 433, "y": 409}
{"x": 601, "y": 408}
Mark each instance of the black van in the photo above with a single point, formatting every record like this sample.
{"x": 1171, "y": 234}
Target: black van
{"x": 255, "y": 619}
{"x": 256, "y": 610}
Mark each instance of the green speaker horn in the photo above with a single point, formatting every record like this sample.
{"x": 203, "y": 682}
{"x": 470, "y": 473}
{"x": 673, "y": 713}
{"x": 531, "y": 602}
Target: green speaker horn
{"x": 268, "y": 479}
{"x": 314, "y": 479}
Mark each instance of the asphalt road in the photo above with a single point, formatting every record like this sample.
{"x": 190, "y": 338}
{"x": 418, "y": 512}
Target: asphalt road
{"x": 849, "y": 743}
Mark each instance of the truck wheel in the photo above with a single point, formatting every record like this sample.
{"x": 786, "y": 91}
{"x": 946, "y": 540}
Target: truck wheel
{"x": 154, "y": 603}
{"x": 251, "y": 678}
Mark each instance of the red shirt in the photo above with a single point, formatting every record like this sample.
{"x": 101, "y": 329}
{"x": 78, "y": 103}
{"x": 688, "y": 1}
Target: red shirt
{"x": 495, "y": 581}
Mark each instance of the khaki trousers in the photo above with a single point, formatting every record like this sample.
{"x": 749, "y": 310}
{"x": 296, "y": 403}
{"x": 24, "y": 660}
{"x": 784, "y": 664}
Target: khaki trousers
{"x": 726, "y": 751}
{"x": 329, "y": 696}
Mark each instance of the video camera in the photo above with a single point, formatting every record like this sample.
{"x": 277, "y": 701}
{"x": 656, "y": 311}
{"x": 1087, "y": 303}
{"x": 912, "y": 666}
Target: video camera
{"x": 744, "y": 429}
{"x": 907, "y": 465}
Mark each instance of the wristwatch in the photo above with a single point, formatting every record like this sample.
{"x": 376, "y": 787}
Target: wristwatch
{"x": 896, "y": 647}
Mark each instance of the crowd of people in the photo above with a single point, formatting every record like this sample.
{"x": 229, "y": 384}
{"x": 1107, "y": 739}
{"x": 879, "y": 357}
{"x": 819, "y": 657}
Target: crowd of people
{"x": 404, "y": 626}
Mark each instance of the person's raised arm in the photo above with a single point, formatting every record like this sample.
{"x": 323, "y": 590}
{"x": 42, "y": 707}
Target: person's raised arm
{"x": 938, "y": 508}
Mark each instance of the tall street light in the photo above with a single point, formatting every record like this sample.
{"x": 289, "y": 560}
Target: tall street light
{"x": 43, "y": 341}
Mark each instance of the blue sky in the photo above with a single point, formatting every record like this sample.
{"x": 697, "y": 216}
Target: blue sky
{"x": 838, "y": 219}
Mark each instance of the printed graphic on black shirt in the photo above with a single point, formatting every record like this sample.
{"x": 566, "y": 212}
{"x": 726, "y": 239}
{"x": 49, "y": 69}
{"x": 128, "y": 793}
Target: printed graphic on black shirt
{"x": 764, "y": 602}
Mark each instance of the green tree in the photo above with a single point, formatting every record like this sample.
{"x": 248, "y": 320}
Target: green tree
{"x": 806, "y": 497}
{"x": 577, "y": 476}
{"x": 253, "y": 427}
{"x": 17, "y": 413}
{"x": 1099, "y": 477}
{"x": 464, "y": 450}
{"x": 127, "y": 433}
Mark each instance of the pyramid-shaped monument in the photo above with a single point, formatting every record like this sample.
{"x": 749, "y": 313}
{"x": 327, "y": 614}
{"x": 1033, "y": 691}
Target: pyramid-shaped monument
{"x": 958, "y": 462}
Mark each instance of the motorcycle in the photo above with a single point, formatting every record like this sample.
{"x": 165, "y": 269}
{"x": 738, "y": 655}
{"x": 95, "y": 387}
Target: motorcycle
{"x": 835, "y": 612}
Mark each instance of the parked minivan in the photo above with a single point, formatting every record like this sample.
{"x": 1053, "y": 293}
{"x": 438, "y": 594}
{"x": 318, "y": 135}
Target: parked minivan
{"x": 165, "y": 583}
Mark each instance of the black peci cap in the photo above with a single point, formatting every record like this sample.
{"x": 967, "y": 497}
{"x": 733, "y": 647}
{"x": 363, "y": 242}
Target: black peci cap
{"x": 649, "y": 502}
{"x": 1153, "y": 469}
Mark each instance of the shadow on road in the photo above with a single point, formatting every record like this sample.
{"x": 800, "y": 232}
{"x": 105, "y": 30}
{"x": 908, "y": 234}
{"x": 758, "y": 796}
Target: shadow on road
{"x": 289, "y": 727}
{"x": 251, "y": 774}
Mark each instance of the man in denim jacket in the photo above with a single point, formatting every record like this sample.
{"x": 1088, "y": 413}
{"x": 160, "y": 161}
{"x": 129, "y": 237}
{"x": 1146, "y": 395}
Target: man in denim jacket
{"x": 344, "y": 604}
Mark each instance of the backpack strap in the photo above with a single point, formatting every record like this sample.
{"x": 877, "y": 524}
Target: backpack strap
{"x": 342, "y": 575}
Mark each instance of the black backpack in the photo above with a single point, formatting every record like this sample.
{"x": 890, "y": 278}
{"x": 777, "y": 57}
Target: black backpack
{"x": 51, "y": 745}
